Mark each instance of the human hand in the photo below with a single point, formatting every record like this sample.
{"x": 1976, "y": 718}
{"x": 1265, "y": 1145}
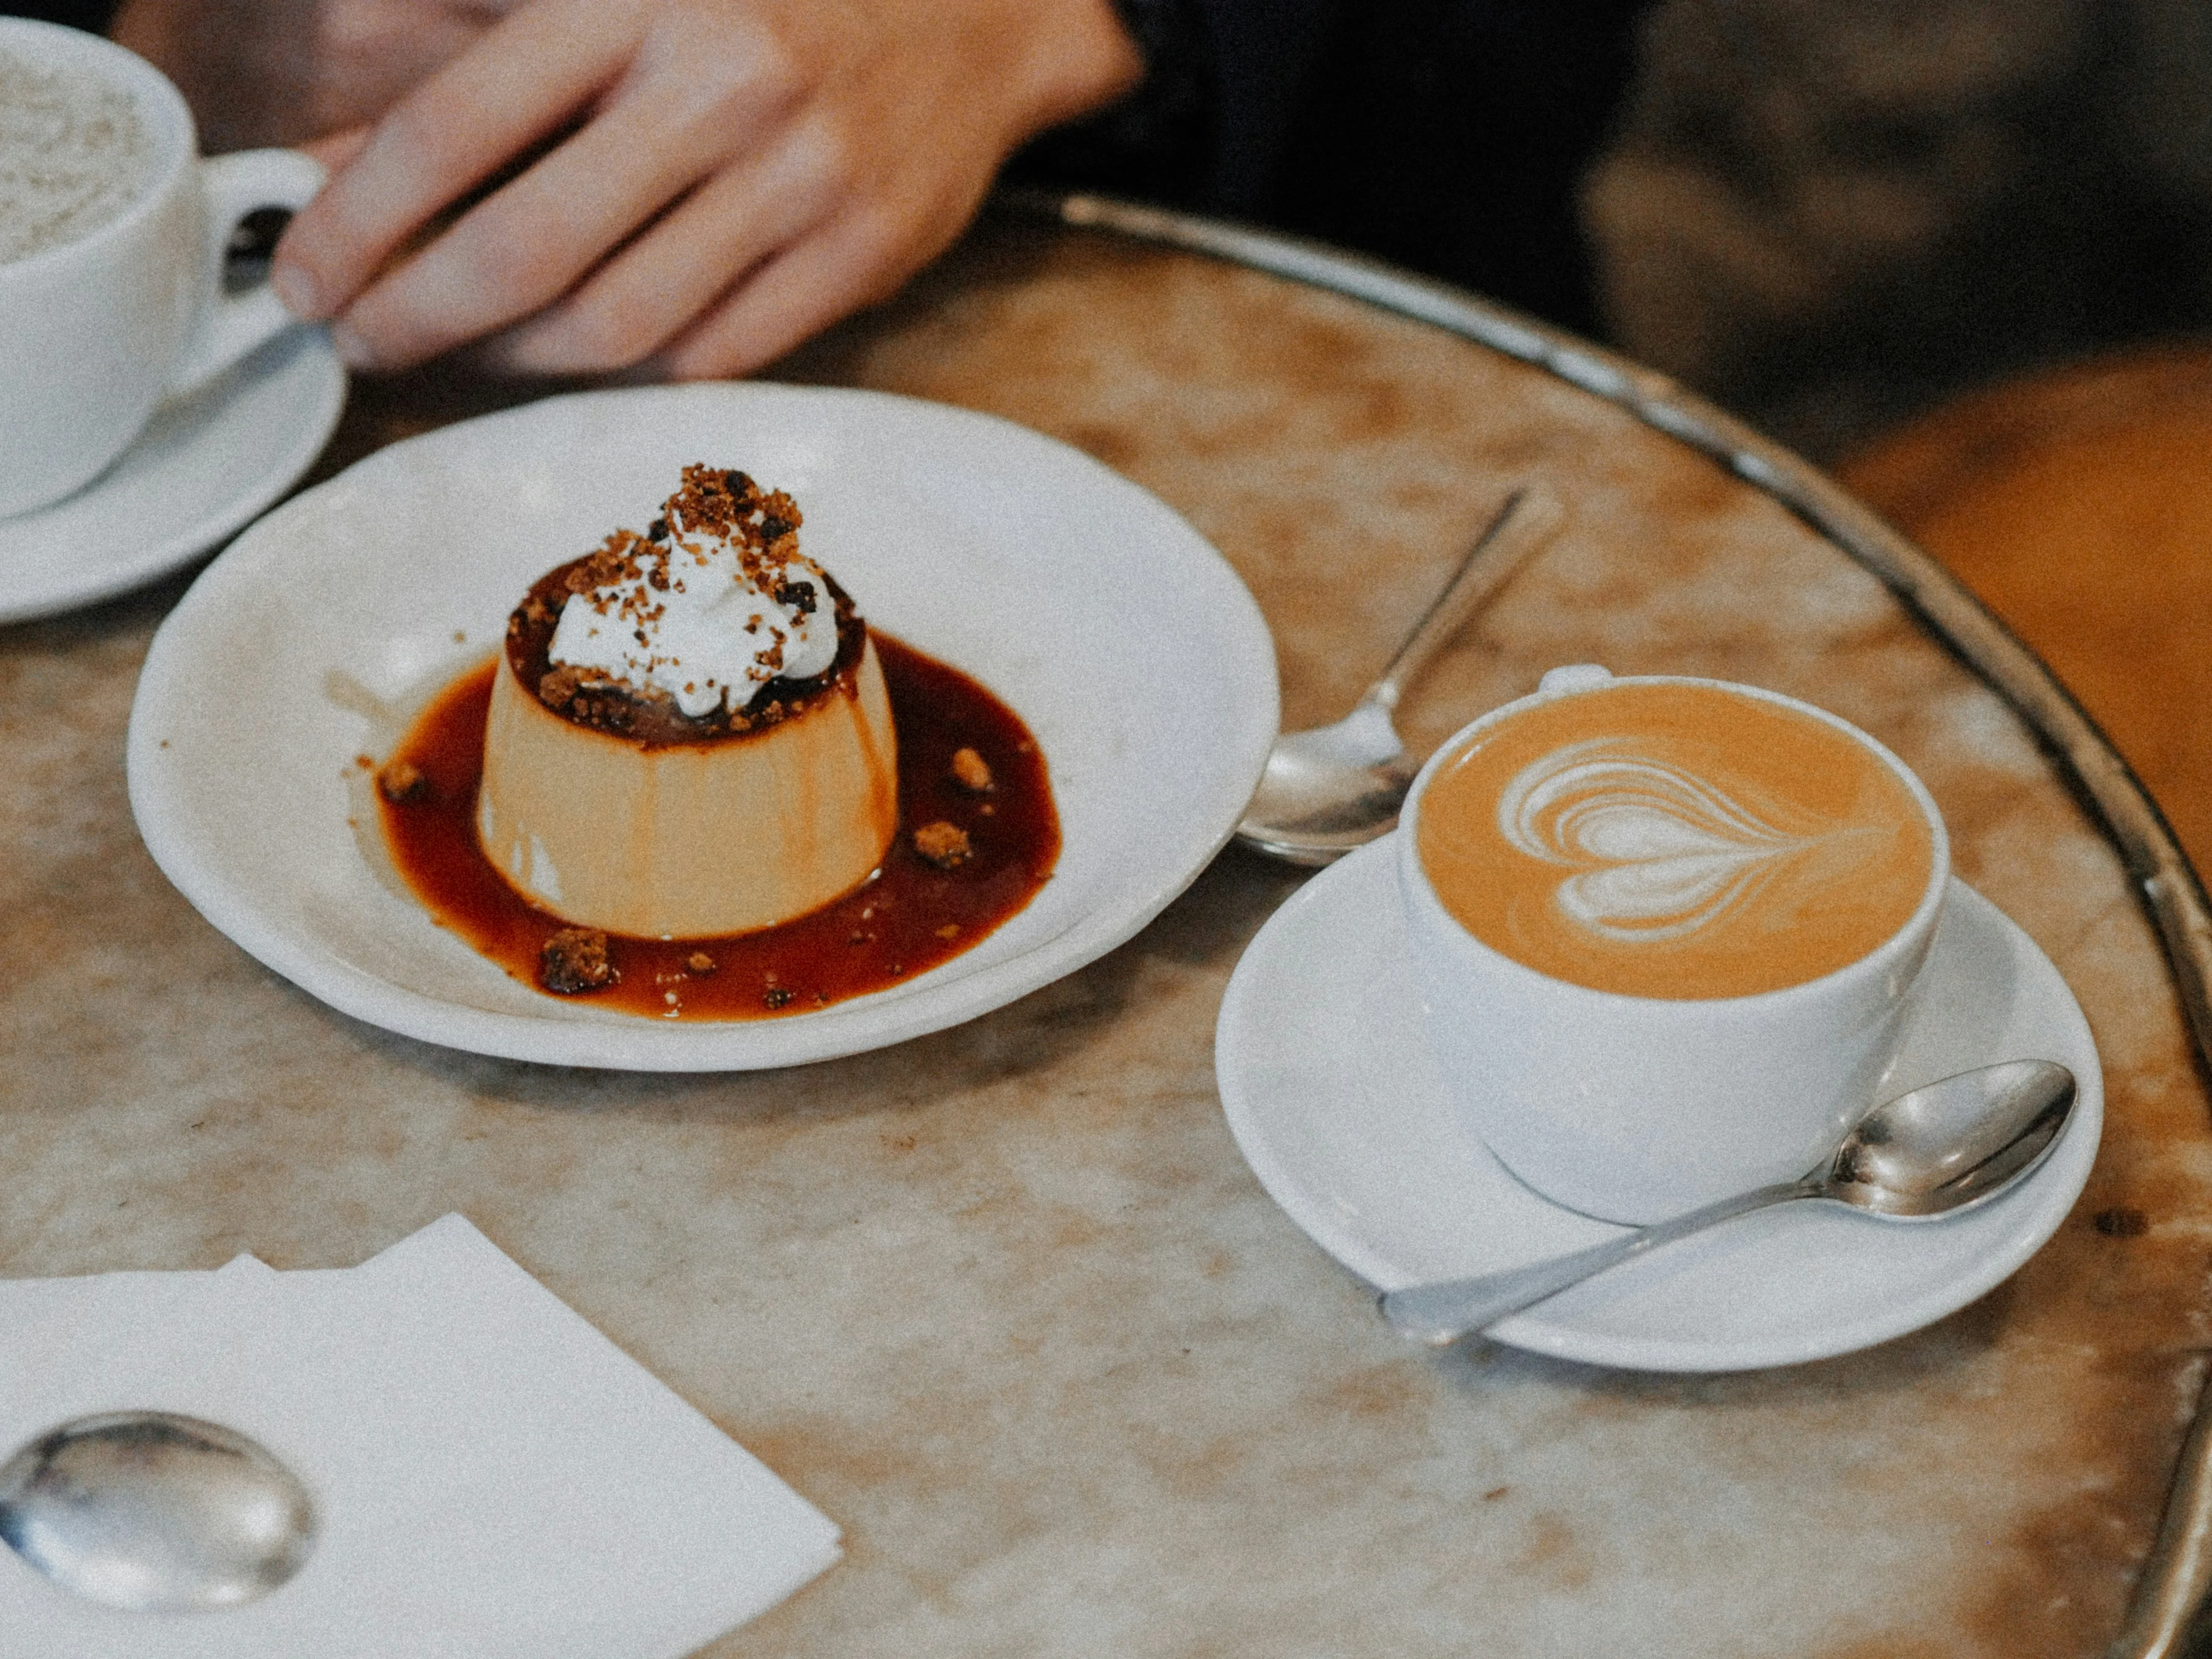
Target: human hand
{"x": 724, "y": 176}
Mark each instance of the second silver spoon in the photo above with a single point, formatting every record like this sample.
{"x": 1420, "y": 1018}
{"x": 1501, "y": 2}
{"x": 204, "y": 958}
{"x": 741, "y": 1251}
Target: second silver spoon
{"x": 1334, "y": 788}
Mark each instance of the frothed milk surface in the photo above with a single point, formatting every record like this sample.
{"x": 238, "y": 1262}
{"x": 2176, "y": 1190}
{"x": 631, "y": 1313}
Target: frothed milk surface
{"x": 73, "y": 154}
{"x": 1676, "y": 840}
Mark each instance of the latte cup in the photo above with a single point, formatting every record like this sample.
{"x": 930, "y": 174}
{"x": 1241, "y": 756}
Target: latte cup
{"x": 94, "y": 332}
{"x": 1667, "y": 933}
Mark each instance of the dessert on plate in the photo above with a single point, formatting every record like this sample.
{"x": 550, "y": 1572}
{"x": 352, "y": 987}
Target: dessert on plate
{"x": 676, "y": 789}
{"x": 689, "y": 732}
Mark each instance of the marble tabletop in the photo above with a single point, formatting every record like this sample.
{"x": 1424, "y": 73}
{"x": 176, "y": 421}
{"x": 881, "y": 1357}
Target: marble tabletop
{"x": 1005, "y": 1302}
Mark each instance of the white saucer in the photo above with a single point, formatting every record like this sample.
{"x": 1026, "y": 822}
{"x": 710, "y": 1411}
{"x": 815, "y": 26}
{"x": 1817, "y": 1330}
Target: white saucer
{"x": 1337, "y": 1104}
{"x": 205, "y": 466}
{"x": 1127, "y": 643}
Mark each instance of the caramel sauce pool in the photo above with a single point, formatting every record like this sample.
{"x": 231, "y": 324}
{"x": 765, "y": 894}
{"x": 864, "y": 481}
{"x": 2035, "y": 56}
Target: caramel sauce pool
{"x": 907, "y": 918}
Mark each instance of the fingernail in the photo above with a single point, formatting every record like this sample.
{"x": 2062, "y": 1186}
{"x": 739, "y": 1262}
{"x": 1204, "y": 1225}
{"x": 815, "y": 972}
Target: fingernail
{"x": 352, "y": 351}
{"x": 297, "y": 290}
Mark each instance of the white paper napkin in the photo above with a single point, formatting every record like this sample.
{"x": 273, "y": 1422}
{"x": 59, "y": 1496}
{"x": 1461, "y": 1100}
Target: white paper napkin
{"x": 494, "y": 1478}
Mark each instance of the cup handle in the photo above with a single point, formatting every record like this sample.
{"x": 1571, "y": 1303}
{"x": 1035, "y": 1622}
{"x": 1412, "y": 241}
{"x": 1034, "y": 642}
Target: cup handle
{"x": 236, "y": 185}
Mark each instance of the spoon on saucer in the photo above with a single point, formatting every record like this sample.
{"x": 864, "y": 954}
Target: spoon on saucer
{"x": 1931, "y": 1152}
{"x": 1334, "y": 788}
{"x": 156, "y": 1513}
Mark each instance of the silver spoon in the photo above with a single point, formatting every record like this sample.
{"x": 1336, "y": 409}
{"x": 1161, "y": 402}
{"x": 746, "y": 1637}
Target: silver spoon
{"x": 1936, "y": 1149}
{"x": 1334, "y": 788}
{"x": 156, "y": 1513}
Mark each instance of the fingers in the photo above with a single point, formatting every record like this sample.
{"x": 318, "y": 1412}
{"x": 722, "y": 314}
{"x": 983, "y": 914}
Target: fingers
{"x": 850, "y": 262}
{"x": 519, "y": 84}
{"x": 735, "y": 174}
{"x": 337, "y": 150}
{"x": 532, "y": 242}
{"x": 671, "y": 274}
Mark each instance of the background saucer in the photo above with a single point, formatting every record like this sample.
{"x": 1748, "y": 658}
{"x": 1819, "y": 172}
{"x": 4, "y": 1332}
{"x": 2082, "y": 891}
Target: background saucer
{"x": 1336, "y": 1102}
{"x": 1113, "y": 630}
{"x": 205, "y": 464}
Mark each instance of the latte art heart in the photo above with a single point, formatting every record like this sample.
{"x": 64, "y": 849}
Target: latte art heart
{"x": 1661, "y": 852}
{"x": 1675, "y": 839}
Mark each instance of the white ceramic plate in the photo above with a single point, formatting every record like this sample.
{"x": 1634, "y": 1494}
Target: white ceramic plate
{"x": 205, "y": 466}
{"x": 1125, "y": 642}
{"x": 1336, "y": 1102}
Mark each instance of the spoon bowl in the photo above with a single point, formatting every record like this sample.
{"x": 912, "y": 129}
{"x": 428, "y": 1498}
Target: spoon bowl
{"x": 1953, "y": 1144}
{"x": 1931, "y": 1152}
{"x": 153, "y": 1512}
{"x": 1331, "y": 788}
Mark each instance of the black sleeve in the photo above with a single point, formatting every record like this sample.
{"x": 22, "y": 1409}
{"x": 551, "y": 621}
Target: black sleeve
{"x": 1264, "y": 53}
{"x": 1208, "y": 126}
{"x": 1448, "y": 135}
{"x": 93, "y": 15}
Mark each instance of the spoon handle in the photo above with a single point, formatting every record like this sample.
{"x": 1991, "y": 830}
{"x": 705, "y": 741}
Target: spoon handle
{"x": 1530, "y": 517}
{"x": 1441, "y": 1313}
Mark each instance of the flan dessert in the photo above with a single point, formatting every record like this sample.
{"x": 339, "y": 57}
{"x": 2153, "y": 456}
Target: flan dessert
{"x": 689, "y": 732}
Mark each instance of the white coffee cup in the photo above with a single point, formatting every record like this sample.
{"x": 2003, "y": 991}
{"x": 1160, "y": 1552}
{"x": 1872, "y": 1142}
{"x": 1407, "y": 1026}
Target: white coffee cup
{"x": 95, "y": 332}
{"x": 1634, "y": 1107}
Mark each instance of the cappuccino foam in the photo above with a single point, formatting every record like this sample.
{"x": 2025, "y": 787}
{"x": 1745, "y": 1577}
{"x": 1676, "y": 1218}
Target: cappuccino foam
{"x": 73, "y": 154}
{"x": 1661, "y": 839}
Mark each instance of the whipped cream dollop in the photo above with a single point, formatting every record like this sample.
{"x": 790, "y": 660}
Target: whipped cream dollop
{"x": 707, "y": 606}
